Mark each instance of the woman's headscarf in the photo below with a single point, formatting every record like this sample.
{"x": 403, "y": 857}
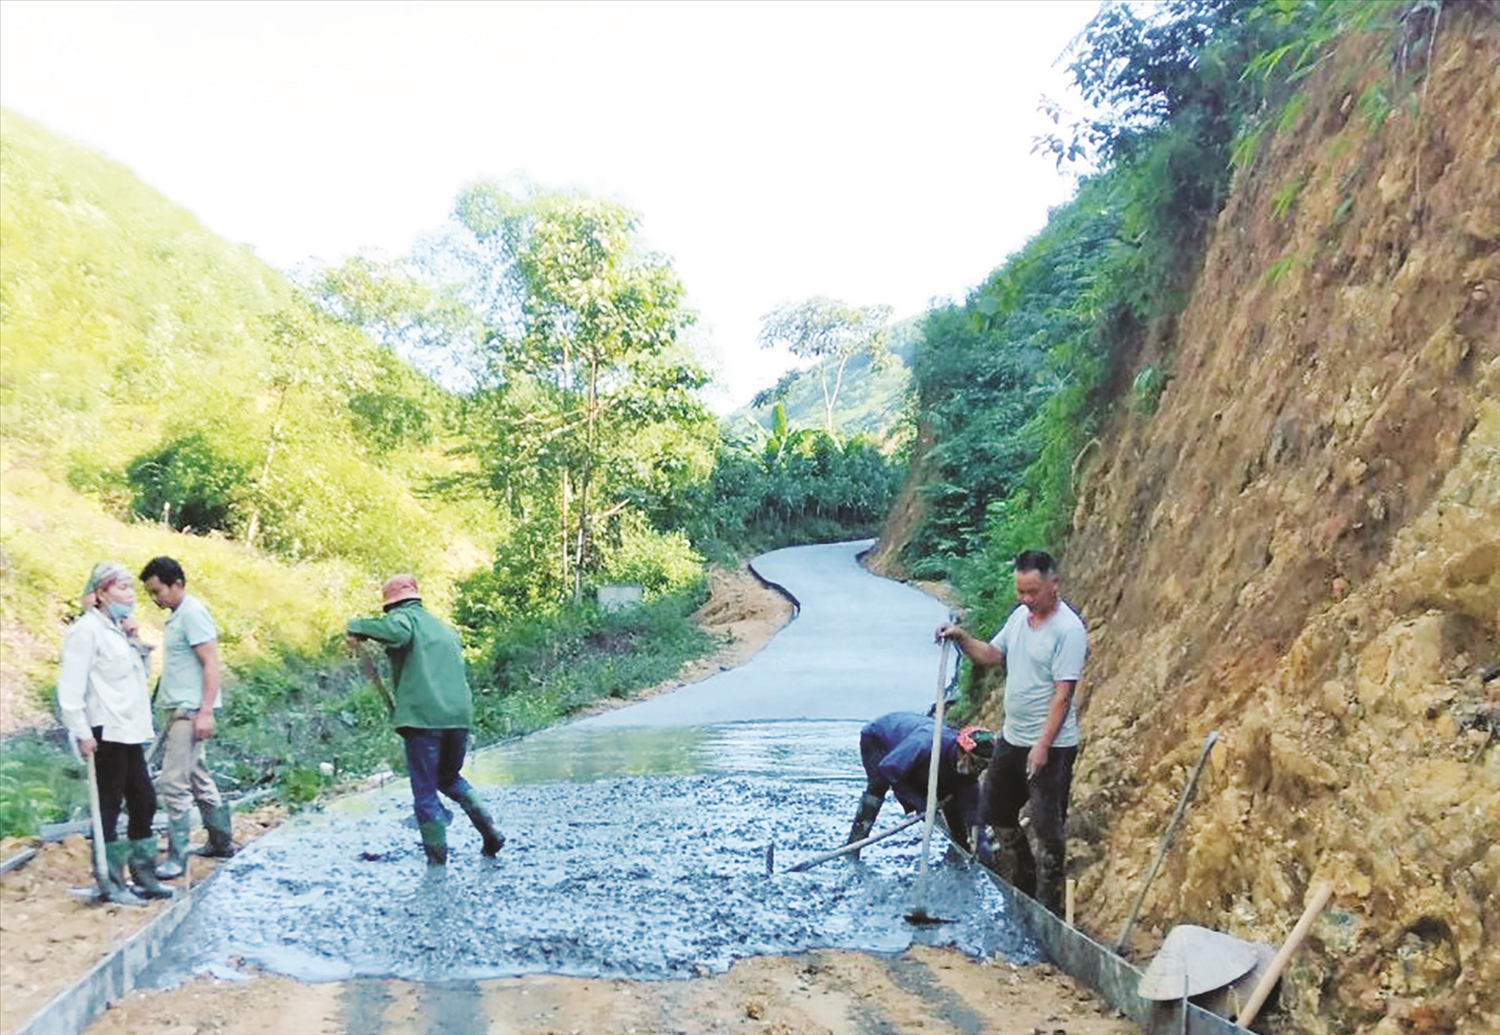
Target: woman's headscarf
{"x": 104, "y": 575}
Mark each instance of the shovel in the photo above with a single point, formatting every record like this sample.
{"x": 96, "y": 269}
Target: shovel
{"x": 919, "y": 914}
{"x": 101, "y": 865}
{"x": 1166, "y": 838}
{"x": 372, "y": 673}
{"x": 819, "y": 860}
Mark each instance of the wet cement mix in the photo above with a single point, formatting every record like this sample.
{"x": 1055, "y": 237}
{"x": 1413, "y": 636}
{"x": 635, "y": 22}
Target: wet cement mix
{"x": 631, "y": 853}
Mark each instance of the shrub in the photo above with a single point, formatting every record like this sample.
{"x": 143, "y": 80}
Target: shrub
{"x": 189, "y": 484}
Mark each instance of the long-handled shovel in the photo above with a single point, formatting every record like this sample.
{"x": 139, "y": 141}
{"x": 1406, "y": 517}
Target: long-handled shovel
{"x": 919, "y": 914}
{"x": 854, "y": 846}
{"x": 1166, "y": 838}
{"x": 101, "y": 863}
{"x": 372, "y": 673}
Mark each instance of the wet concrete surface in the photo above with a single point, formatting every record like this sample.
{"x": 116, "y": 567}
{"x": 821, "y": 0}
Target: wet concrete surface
{"x": 635, "y": 850}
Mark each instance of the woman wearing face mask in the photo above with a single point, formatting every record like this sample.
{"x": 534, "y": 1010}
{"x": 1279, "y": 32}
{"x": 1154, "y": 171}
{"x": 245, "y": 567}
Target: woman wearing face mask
{"x": 101, "y": 691}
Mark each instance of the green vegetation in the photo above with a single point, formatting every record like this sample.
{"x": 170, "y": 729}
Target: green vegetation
{"x": 831, "y": 334}
{"x": 1013, "y": 383}
{"x": 788, "y": 486}
{"x": 510, "y": 414}
{"x": 871, "y": 402}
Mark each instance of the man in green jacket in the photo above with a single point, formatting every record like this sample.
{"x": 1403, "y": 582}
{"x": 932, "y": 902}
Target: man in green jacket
{"x": 433, "y": 712}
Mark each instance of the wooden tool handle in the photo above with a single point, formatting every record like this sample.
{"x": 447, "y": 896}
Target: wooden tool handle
{"x": 1315, "y": 907}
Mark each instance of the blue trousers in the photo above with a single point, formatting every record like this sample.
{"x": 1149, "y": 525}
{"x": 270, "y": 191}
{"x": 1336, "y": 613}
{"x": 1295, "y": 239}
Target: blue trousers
{"x": 433, "y": 761}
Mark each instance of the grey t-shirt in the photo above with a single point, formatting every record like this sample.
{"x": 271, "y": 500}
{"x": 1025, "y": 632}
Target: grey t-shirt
{"x": 1034, "y": 660}
{"x": 181, "y": 672}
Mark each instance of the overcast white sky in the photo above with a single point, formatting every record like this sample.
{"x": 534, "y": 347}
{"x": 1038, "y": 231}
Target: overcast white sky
{"x": 875, "y": 152}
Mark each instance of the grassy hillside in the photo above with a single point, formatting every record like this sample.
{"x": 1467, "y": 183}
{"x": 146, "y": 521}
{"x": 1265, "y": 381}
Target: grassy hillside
{"x": 146, "y": 366}
{"x": 872, "y": 400}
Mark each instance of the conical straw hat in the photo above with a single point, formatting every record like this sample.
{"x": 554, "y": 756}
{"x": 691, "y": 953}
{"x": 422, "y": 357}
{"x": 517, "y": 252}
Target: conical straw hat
{"x": 1193, "y": 960}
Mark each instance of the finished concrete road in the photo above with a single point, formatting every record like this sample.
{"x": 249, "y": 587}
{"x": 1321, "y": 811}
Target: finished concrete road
{"x": 861, "y": 646}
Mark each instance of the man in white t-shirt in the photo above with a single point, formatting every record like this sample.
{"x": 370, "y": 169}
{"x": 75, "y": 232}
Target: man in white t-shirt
{"x": 1042, "y": 645}
{"x": 188, "y": 695}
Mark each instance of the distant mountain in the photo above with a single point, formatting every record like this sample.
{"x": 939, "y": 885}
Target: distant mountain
{"x": 871, "y": 401}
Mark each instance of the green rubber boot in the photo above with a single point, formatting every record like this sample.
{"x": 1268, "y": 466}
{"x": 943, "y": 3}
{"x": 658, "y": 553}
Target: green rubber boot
{"x": 493, "y": 839}
{"x": 178, "y": 847}
{"x": 142, "y": 864}
{"x": 220, "y": 838}
{"x": 434, "y": 843}
{"x": 114, "y": 886}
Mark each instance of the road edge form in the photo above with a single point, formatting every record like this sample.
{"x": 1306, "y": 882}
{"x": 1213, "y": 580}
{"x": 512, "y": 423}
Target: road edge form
{"x": 113, "y": 977}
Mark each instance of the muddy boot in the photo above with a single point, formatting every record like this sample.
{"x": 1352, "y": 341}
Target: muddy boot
{"x": 114, "y": 886}
{"x": 864, "y": 819}
{"x": 178, "y": 847}
{"x": 143, "y": 868}
{"x": 434, "y": 843}
{"x": 220, "y": 839}
{"x": 1051, "y": 871}
{"x": 493, "y": 839}
{"x": 1013, "y": 860}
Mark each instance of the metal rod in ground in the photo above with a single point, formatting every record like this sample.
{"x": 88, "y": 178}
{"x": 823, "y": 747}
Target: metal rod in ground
{"x": 1166, "y": 838}
{"x": 819, "y": 860}
{"x": 919, "y": 912}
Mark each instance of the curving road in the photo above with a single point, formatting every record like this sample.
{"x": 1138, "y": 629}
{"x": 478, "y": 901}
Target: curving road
{"x": 638, "y": 837}
{"x": 860, "y": 646}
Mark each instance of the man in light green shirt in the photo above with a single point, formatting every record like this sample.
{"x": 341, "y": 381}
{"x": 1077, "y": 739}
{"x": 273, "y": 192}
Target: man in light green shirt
{"x": 188, "y": 693}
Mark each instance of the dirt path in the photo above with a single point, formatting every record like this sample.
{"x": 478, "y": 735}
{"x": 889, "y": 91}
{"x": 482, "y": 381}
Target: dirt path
{"x": 921, "y": 990}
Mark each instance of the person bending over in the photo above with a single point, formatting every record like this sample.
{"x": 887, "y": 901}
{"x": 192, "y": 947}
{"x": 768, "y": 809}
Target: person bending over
{"x": 896, "y": 750}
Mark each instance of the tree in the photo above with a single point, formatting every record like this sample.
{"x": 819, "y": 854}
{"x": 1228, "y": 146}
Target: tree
{"x": 830, "y": 333}
{"x": 594, "y": 410}
{"x": 423, "y": 322}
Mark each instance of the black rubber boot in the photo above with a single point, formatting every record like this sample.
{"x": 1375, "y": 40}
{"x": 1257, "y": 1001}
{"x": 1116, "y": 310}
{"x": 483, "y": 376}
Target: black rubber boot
{"x": 434, "y": 843}
{"x": 220, "y": 837}
{"x": 864, "y": 819}
{"x": 1013, "y": 860}
{"x": 493, "y": 839}
{"x": 178, "y": 848}
{"x": 143, "y": 869}
{"x": 1051, "y": 871}
{"x": 114, "y": 886}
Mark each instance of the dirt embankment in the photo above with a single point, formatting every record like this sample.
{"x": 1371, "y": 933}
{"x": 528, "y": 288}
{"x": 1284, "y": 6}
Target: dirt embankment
{"x": 1301, "y": 549}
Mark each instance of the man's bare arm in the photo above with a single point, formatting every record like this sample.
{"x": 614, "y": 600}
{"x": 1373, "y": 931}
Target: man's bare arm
{"x": 981, "y": 652}
{"x": 208, "y": 654}
{"x": 1057, "y": 713}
